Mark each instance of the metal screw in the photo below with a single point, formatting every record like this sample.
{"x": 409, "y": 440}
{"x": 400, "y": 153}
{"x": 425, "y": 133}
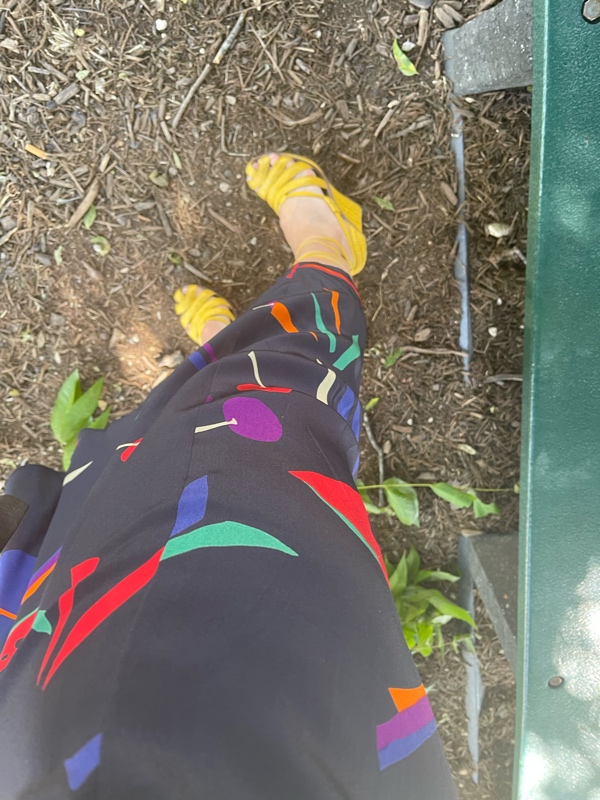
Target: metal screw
{"x": 555, "y": 682}
{"x": 591, "y": 11}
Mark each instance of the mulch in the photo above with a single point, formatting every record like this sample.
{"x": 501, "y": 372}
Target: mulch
{"x": 97, "y": 87}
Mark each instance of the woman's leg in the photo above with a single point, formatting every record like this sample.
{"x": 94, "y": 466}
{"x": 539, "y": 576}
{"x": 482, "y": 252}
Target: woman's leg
{"x": 218, "y": 621}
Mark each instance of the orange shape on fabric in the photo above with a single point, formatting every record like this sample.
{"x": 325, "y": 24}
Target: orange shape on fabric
{"x": 335, "y": 297}
{"x": 405, "y": 698}
{"x": 282, "y": 315}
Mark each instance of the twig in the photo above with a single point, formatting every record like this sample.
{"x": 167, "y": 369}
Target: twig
{"x": 192, "y": 91}
{"x": 85, "y": 204}
{"x": 223, "y": 49}
{"x": 503, "y": 377}
{"x": 380, "y": 456}
{"x": 425, "y": 351}
{"x": 228, "y": 43}
{"x": 195, "y": 272}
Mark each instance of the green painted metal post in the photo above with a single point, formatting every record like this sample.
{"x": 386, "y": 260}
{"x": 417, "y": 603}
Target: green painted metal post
{"x": 558, "y": 723}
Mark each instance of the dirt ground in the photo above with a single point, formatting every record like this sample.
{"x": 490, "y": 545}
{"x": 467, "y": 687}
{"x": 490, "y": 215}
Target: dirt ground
{"x": 310, "y": 76}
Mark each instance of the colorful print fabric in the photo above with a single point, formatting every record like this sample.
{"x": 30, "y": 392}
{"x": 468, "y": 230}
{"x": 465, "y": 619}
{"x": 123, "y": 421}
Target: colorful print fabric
{"x": 199, "y": 604}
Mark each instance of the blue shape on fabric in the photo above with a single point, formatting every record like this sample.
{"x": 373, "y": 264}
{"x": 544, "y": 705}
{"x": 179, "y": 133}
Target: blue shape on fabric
{"x": 356, "y": 466}
{"x": 356, "y": 421}
{"x": 398, "y": 750}
{"x": 197, "y": 359}
{"x": 346, "y": 403}
{"x": 192, "y": 505}
{"x": 81, "y": 765}
{"x": 16, "y": 569}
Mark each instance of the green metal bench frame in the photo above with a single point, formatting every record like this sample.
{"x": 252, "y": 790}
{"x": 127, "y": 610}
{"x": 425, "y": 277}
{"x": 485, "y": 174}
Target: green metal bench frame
{"x": 557, "y": 751}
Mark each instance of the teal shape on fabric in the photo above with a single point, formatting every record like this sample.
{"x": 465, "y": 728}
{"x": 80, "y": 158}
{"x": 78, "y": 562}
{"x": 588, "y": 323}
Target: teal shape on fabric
{"x": 348, "y": 523}
{"x": 321, "y": 325}
{"x": 41, "y": 623}
{"x": 223, "y": 534}
{"x": 349, "y": 355}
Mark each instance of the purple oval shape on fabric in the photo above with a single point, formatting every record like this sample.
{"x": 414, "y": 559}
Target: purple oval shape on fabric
{"x": 254, "y": 419}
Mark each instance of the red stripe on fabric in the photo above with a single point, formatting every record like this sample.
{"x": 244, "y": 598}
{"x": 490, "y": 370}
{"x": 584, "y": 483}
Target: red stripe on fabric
{"x": 129, "y": 450}
{"x": 323, "y": 269}
{"x": 65, "y": 605}
{"x": 19, "y": 631}
{"x": 348, "y": 502}
{"x": 252, "y": 387}
{"x": 103, "y": 608}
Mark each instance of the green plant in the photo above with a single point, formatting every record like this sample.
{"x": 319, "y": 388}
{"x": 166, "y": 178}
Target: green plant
{"x": 403, "y": 501}
{"x": 423, "y": 610}
{"x": 73, "y": 411}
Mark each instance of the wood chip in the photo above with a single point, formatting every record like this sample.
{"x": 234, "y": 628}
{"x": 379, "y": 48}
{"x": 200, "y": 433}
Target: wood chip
{"x": 87, "y": 201}
{"x": 448, "y": 193}
{"x": 36, "y": 151}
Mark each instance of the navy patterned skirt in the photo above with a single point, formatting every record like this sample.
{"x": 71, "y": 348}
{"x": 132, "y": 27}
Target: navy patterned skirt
{"x": 198, "y": 608}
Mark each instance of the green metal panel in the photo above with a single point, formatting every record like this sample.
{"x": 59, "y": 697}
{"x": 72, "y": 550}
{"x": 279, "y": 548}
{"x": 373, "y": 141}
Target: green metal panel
{"x": 558, "y": 729}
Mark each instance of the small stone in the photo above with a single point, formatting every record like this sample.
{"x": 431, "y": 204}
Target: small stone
{"x": 498, "y": 229}
{"x": 408, "y": 46}
{"x": 230, "y": 99}
{"x": 591, "y": 10}
{"x": 57, "y": 320}
{"x": 493, "y": 332}
{"x": 410, "y": 20}
{"x": 224, "y": 187}
{"x": 194, "y": 252}
{"x": 421, "y": 3}
{"x": 170, "y": 360}
{"x": 253, "y": 241}
{"x": 422, "y": 335}
{"x": 161, "y": 25}
{"x": 7, "y": 224}
{"x": 387, "y": 447}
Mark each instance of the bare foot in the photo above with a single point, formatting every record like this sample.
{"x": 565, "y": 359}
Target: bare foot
{"x": 311, "y": 227}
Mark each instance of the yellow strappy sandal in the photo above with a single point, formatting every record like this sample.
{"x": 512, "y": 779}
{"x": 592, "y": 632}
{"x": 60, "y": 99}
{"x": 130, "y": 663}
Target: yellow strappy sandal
{"x": 275, "y": 183}
{"x": 196, "y": 306}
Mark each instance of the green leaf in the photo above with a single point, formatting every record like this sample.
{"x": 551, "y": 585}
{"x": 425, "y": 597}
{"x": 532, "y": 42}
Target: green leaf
{"x": 64, "y": 401}
{"x": 89, "y": 217}
{"x": 454, "y": 496}
{"x": 58, "y": 259}
{"x": 409, "y": 636}
{"x": 175, "y": 258}
{"x": 393, "y": 357}
{"x": 158, "y": 179}
{"x": 100, "y": 423}
{"x": 399, "y": 578}
{"x": 445, "y": 606}
{"x": 81, "y": 411}
{"x": 177, "y": 161}
{"x": 436, "y": 575}
{"x": 481, "y": 509}
{"x": 384, "y": 203}
{"x": 403, "y": 500}
{"x": 101, "y": 245}
{"x": 405, "y": 65}
{"x": 68, "y": 450}
{"x": 372, "y": 403}
{"x": 413, "y": 562}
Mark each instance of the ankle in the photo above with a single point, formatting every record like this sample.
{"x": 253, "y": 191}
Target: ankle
{"x": 325, "y": 250}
